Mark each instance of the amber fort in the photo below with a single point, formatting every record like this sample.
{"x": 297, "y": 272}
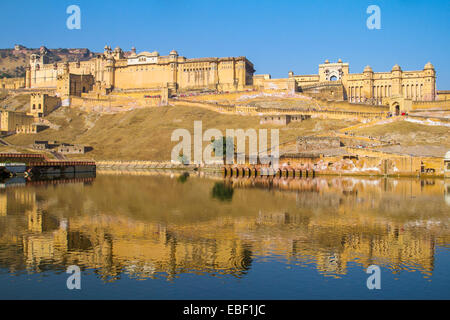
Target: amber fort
{"x": 116, "y": 71}
{"x": 124, "y": 80}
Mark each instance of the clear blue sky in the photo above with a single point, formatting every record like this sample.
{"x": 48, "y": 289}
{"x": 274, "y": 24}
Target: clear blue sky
{"x": 277, "y": 36}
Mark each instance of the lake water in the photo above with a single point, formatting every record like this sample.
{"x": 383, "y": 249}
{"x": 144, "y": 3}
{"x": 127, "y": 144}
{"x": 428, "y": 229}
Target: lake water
{"x": 169, "y": 236}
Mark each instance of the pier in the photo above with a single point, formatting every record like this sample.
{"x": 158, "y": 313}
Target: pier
{"x": 38, "y": 164}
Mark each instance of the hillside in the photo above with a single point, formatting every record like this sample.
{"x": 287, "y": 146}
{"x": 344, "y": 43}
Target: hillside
{"x": 13, "y": 62}
{"x": 144, "y": 134}
{"x": 14, "y": 101}
{"x": 409, "y": 134}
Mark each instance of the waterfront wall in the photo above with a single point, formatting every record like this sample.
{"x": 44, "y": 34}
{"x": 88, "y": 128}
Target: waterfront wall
{"x": 365, "y": 164}
{"x": 368, "y": 162}
{"x": 232, "y": 109}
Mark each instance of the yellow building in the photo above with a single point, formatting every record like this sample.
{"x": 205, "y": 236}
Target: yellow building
{"x": 443, "y": 95}
{"x": 334, "y": 81}
{"x": 447, "y": 165}
{"x": 41, "y": 104}
{"x": 121, "y": 71}
{"x": 69, "y": 84}
{"x": 131, "y": 72}
{"x": 12, "y": 121}
{"x": 12, "y": 83}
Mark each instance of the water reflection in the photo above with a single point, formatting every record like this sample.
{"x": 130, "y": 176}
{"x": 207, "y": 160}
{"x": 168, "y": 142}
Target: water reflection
{"x": 182, "y": 178}
{"x": 155, "y": 226}
{"x": 222, "y": 191}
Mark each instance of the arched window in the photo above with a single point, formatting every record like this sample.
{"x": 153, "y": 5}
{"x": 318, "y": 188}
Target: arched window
{"x": 333, "y": 78}
{"x": 40, "y": 107}
{"x": 34, "y": 106}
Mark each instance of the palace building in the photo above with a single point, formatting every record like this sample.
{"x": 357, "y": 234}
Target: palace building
{"x": 334, "y": 81}
{"x": 150, "y": 79}
{"x": 124, "y": 71}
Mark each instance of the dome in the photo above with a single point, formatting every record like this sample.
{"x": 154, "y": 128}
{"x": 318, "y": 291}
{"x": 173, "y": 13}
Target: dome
{"x": 368, "y": 69}
{"x": 173, "y": 52}
{"x": 133, "y": 52}
{"x": 396, "y": 68}
{"x": 339, "y": 61}
{"x": 447, "y": 155}
{"x": 429, "y": 66}
{"x": 326, "y": 61}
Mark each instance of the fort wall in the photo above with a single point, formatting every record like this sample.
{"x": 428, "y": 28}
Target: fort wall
{"x": 328, "y": 114}
{"x": 146, "y": 71}
{"x": 136, "y": 99}
{"x": 12, "y": 83}
{"x": 41, "y": 104}
{"x": 441, "y": 104}
{"x": 10, "y": 121}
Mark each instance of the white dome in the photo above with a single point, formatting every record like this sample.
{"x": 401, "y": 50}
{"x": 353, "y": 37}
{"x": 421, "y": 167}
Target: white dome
{"x": 447, "y": 155}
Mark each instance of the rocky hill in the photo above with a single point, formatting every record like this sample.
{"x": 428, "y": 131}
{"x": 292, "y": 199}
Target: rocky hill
{"x": 13, "y": 61}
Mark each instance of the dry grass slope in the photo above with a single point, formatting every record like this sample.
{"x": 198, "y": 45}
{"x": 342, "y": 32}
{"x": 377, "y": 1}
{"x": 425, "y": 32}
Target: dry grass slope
{"x": 145, "y": 134}
{"x": 409, "y": 134}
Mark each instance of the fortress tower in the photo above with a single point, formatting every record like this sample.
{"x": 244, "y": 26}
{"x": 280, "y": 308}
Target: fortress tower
{"x": 429, "y": 84}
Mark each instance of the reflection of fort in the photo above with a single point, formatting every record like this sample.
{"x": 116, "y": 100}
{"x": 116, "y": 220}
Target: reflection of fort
{"x": 104, "y": 243}
{"x": 41, "y": 233}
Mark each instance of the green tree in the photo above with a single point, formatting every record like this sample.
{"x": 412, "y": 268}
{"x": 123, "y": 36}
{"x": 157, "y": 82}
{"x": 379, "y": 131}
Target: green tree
{"x": 225, "y": 143}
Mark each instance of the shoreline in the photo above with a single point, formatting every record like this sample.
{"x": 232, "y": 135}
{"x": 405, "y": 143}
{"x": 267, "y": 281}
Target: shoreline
{"x": 136, "y": 166}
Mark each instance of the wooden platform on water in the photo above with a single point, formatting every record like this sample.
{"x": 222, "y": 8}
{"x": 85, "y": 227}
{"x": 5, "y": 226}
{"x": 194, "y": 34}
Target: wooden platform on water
{"x": 38, "y": 164}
